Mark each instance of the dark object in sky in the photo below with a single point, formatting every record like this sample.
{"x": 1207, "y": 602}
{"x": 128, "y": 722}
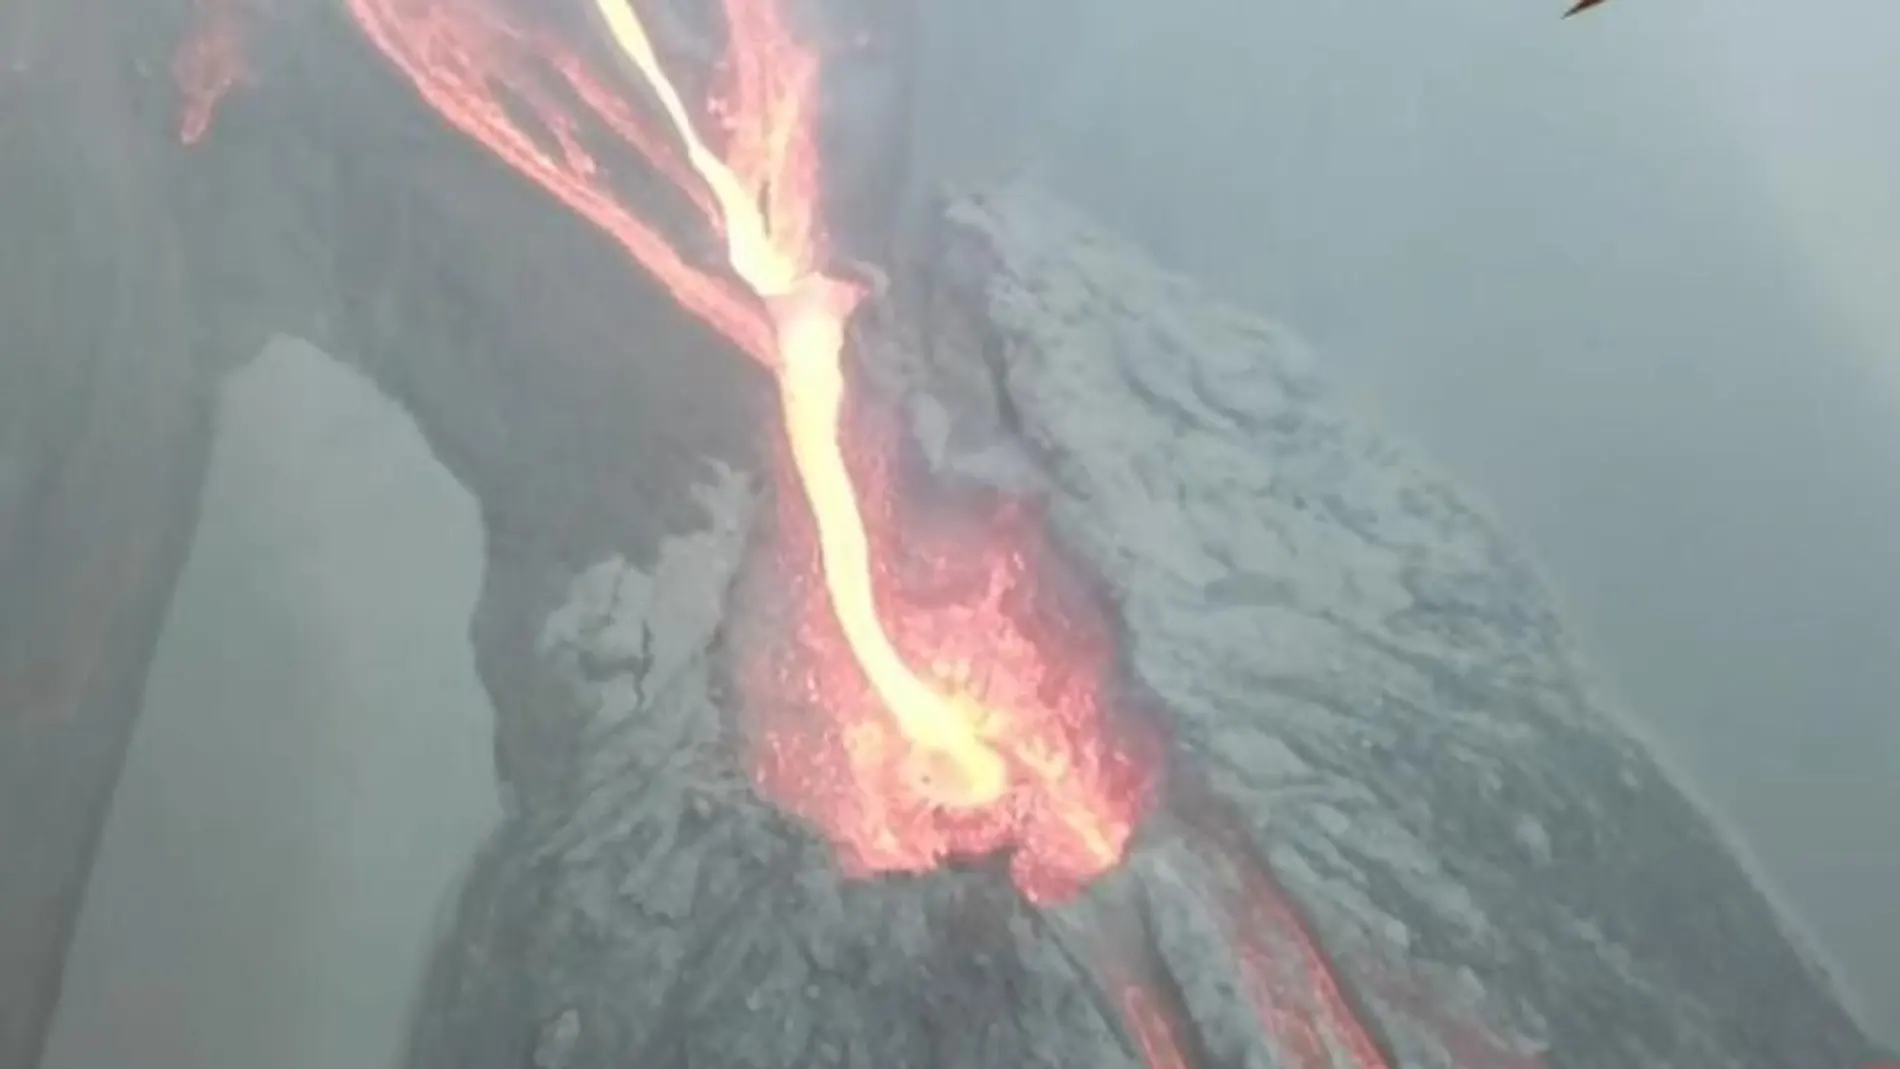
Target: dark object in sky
{"x": 1580, "y": 6}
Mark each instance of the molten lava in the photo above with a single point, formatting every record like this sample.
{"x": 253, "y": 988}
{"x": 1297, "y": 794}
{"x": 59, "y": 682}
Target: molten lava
{"x": 971, "y": 590}
{"x": 207, "y": 65}
{"x": 1291, "y": 981}
{"x": 768, "y": 217}
{"x": 1153, "y": 1026}
{"x": 477, "y": 65}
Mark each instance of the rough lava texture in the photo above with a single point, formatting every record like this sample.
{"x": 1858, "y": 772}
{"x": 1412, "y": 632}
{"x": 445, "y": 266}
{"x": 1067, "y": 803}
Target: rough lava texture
{"x": 1348, "y": 655}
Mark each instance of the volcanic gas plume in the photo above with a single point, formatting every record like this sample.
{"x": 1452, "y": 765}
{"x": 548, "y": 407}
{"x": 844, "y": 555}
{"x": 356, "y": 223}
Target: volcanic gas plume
{"x": 930, "y": 729}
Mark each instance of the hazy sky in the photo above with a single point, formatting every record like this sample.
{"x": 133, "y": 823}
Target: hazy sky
{"x": 1634, "y": 275}
{"x": 312, "y": 768}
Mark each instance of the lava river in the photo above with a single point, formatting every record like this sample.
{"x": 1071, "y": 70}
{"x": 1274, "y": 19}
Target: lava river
{"x": 942, "y": 731}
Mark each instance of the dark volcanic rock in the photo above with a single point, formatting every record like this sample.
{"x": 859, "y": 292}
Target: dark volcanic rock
{"x": 1348, "y": 657}
{"x": 105, "y": 429}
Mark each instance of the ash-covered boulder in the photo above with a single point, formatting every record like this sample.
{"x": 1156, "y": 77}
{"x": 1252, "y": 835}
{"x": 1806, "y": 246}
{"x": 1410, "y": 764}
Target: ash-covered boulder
{"x": 1394, "y": 798}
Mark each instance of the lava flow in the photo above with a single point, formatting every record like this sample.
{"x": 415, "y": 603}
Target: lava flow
{"x": 970, "y": 588}
{"x": 976, "y": 768}
{"x": 209, "y": 64}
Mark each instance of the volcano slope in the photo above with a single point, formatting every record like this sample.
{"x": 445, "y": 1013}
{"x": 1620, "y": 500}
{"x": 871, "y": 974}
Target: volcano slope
{"x": 1351, "y": 667}
{"x": 1349, "y": 661}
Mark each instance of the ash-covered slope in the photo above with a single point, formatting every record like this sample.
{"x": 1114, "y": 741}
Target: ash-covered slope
{"x": 1343, "y": 638}
{"x": 1354, "y": 668}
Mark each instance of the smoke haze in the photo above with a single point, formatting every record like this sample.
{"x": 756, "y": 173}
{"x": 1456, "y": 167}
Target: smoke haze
{"x": 1629, "y": 275}
{"x": 312, "y": 769}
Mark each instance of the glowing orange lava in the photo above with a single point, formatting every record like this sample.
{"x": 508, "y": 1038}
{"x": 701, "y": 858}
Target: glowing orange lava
{"x": 768, "y": 217}
{"x": 1289, "y": 977}
{"x": 1154, "y": 1028}
{"x": 974, "y": 593}
{"x": 470, "y": 60}
{"x": 1292, "y": 983}
{"x": 207, "y": 65}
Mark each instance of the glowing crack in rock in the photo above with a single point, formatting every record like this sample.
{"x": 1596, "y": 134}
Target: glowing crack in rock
{"x": 1153, "y": 1026}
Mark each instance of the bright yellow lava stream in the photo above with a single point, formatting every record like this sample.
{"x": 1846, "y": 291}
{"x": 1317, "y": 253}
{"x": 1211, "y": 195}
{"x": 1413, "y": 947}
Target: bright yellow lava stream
{"x": 953, "y": 764}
